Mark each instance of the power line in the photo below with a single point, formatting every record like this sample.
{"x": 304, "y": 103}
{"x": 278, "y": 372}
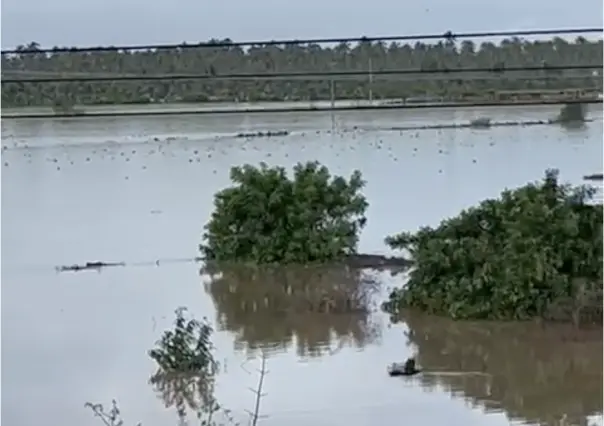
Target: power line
{"x": 402, "y": 106}
{"x": 448, "y": 36}
{"x": 499, "y": 70}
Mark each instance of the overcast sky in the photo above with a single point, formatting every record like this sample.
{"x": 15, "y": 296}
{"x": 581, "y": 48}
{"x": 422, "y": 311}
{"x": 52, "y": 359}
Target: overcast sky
{"x": 103, "y": 22}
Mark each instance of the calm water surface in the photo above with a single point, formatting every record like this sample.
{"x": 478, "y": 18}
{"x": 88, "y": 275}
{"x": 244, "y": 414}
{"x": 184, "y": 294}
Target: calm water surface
{"x": 139, "y": 190}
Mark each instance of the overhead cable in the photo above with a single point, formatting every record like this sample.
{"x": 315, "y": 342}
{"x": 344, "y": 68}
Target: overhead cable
{"x": 446, "y": 36}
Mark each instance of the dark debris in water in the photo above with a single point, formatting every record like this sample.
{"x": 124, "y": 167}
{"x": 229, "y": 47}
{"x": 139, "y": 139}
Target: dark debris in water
{"x": 88, "y": 266}
{"x": 407, "y": 368}
{"x": 267, "y": 134}
{"x": 595, "y": 176}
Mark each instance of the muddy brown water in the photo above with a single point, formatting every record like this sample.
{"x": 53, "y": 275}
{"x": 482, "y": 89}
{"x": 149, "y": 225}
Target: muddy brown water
{"x": 105, "y": 189}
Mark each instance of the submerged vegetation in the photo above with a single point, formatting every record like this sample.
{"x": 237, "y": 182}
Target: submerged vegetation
{"x": 185, "y": 377}
{"x": 187, "y": 371}
{"x": 365, "y": 57}
{"x": 536, "y": 251}
{"x": 268, "y": 217}
{"x": 572, "y": 114}
{"x": 185, "y": 362}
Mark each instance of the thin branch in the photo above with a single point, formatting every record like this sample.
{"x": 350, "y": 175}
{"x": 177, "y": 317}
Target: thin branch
{"x": 255, "y": 415}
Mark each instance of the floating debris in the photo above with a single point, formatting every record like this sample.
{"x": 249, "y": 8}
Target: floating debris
{"x": 88, "y": 266}
{"x": 595, "y": 176}
{"x": 268, "y": 134}
{"x": 407, "y": 368}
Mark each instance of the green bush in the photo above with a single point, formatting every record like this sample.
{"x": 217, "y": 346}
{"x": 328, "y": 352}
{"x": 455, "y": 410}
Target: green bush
{"x": 574, "y": 113}
{"x": 516, "y": 257}
{"x": 186, "y": 367}
{"x": 267, "y": 217}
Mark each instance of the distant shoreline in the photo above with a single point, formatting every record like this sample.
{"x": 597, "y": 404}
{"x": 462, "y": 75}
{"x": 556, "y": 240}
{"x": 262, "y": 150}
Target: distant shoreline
{"x": 130, "y": 110}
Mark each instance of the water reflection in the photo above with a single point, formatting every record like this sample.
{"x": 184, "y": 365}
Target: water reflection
{"x": 188, "y": 394}
{"x": 307, "y": 307}
{"x": 182, "y": 391}
{"x": 550, "y": 375}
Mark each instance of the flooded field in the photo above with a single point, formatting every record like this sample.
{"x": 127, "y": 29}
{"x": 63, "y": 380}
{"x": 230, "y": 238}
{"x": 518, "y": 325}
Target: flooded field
{"x": 140, "y": 190}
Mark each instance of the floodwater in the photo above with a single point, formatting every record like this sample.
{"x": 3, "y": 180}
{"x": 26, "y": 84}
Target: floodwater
{"x": 139, "y": 190}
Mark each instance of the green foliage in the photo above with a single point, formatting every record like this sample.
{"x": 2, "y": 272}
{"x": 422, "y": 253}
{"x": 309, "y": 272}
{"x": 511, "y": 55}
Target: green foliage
{"x": 186, "y": 368}
{"x": 267, "y": 217}
{"x": 574, "y": 113}
{"x": 185, "y": 376}
{"x": 301, "y": 58}
{"x": 187, "y": 348}
{"x": 515, "y": 257}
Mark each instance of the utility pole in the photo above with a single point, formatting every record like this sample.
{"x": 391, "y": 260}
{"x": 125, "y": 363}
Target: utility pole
{"x": 332, "y": 94}
{"x": 333, "y": 103}
{"x": 370, "y": 81}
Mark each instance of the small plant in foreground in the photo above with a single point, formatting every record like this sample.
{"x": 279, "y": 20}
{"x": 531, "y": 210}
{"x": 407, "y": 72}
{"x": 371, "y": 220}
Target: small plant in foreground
{"x": 186, "y": 368}
{"x": 267, "y": 217}
{"x": 516, "y": 257}
{"x": 187, "y": 348}
{"x": 185, "y": 376}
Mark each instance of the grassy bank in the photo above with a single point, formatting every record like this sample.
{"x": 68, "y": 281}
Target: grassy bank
{"x": 268, "y": 107}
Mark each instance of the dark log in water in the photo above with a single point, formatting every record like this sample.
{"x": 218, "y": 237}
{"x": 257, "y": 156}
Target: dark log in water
{"x": 407, "y": 368}
{"x": 595, "y": 176}
{"x": 267, "y": 134}
{"x": 88, "y": 266}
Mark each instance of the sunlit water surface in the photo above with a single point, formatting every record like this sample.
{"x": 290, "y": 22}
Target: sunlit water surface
{"x": 140, "y": 190}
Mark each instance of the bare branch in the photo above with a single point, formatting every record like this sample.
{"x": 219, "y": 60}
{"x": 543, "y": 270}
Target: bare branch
{"x": 255, "y": 415}
{"x": 110, "y": 418}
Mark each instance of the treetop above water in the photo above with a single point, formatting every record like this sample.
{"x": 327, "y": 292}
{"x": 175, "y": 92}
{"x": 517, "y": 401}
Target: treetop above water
{"x": 535, "y": 251}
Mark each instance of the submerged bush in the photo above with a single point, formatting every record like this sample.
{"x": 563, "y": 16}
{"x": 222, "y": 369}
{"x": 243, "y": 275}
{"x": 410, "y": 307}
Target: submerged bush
{"x": 534, "y": 250}
{"x": 186, "y": 367}
{"x": 481, "y": 123}
{"x": 574, "y": 113}
{"x": 267, "y": 217}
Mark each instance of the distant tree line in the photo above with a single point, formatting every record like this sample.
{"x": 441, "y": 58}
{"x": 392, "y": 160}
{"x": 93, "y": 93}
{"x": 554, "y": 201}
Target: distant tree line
{"x": 364, "y": 56}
